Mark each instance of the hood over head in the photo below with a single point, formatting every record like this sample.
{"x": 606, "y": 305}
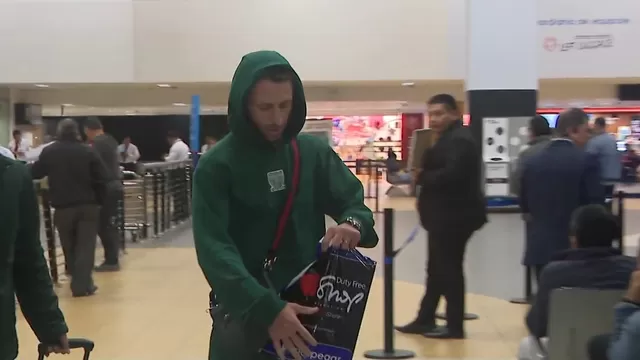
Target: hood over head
{"x": 249, "y": 71}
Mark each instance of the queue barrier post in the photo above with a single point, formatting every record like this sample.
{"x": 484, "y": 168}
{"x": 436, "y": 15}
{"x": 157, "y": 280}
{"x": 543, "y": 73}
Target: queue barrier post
{"x": 389, "y": 351}
{"x": 50, "y": 234}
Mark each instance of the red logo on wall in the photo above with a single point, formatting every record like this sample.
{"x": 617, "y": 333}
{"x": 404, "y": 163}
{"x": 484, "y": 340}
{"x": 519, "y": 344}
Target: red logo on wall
{"x": 550, "y": 43}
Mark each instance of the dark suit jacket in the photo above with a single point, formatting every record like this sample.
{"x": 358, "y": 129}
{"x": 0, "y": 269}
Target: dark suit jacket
{"x": 556, "y": 181}
{"x": 451, "y": 196}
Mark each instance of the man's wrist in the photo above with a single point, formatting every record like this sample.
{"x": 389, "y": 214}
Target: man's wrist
{"x": 354, "y": 223}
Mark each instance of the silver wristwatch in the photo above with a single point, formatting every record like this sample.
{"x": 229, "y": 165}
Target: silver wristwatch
{"x": 353, "y": 222}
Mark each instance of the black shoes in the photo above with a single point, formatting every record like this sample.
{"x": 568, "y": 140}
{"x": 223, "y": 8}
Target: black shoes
{"x": 107, "y": 268}
{"x": 90, "y": 292}
{"x": 416, "y": 327}
{"x": 442, "y": 332}
{"x": 430, "y": 330}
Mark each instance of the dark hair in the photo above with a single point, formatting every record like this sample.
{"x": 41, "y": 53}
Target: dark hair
{"x": 68, "y": 130}
{"x": 569, "y": 120}
{"x": 594, "y": 226}
{"x": 277, "y": 73}
{"x": 600, "y": 122}
{"x": 172, "y": 134}
{"x": 445, "y": 99}
{"x": 16, "y": 132}
{"x": 93, "y": 123}
{"x": 539, "y": 126}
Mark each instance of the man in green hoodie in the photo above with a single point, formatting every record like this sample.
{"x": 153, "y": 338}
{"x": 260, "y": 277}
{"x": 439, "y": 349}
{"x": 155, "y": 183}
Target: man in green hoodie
{"x": 23, "y": 269}
{"x": 241, "y": 190}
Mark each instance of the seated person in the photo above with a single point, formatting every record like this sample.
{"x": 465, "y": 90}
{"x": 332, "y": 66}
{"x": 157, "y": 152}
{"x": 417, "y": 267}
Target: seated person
{"x": 625, "y": 341}
{"x": 395, "y": 173}
{"x": 591, "y": 263}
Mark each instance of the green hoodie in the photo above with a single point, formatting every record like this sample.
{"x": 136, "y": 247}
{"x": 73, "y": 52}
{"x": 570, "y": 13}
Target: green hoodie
{"x": 235, "y": 212}
{"x": 23, "y": 268}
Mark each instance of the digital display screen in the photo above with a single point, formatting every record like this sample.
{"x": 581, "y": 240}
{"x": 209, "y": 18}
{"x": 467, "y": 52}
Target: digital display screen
{"x": 551, "y": 119}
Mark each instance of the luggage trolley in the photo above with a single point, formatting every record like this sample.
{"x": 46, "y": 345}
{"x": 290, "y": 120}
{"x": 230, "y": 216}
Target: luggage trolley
{"x": 134, "y": 205}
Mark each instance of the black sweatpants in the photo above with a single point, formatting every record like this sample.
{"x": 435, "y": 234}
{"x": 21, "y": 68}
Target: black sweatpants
{"x": 445, "y": 276}
{"x": 108, "y": 227}
{"x": 78, "y": 227}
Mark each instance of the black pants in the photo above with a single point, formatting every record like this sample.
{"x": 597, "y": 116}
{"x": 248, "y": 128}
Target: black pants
{"x": 445, "y": 277}
{"x": 598, "y": 346}
{"x": 108, "y": 229}
{"x": 77, "y": 227}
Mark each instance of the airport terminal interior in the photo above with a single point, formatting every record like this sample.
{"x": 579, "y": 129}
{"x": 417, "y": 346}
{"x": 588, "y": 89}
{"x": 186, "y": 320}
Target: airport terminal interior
{"x": 147, "y": 68}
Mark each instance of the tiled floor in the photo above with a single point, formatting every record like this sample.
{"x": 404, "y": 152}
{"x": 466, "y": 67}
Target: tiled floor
{"x": 155, "y": 308}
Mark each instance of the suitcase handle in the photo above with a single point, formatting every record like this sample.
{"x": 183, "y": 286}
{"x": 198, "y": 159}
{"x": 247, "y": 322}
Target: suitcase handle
{"x": 74, "y": 343}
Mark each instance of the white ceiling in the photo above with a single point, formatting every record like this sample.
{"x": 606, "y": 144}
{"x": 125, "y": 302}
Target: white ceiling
{"x": 323, "y": 98}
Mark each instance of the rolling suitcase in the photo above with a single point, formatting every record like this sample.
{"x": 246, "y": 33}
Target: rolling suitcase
{"x": 85, "y": 344}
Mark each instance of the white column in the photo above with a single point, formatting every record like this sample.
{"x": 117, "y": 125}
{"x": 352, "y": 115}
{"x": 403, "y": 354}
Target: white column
{"x": 6, "y": 116}
{"x": 501, "y": 44}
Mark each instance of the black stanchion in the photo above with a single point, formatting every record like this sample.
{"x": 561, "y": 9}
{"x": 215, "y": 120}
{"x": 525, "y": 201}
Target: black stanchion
{"x": 377, "y": 190}
{"x": 621, "y": 196}
{"x": 156, "y": 204}
{"x": 528, "y": 289}
{"x": 389, "y": 351}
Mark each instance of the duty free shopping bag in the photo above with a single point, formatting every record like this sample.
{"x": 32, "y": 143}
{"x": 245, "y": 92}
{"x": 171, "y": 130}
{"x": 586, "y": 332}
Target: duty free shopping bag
{"x": 338, "y": 283}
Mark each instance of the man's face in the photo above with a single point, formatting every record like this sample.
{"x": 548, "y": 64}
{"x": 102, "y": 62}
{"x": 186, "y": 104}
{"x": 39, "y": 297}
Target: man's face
{"x": 91, "y": 134}
{"x": 580, "y": 135}
{"x": 126, "y": 141}
{"x": 440, "y": 116}
{"x": 270, "y": 106}
{"x": 17, "y": 137}
{"x": 171, "y": 140}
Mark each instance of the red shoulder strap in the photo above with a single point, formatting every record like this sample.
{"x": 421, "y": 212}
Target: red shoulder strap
{"x": 288, "y": 206}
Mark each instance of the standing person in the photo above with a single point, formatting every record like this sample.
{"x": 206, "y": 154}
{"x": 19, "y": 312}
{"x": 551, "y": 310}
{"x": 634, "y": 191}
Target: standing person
{"x": 539, "y": 137}
{"x": 604, "y": 147}
{"x": 107, "y": 149}
{"x": 129, "y": 154}
{"x": 241, "y": 187}
{"x": 23, "y": 269}
{"x": 210, "y": 141}
{"x": 179, "y": 151}
{"x": 555, "y": 182}
{"x": 77, "y": 185}
{"x": 452, "y": 207}
{"x": 19, "y": 146}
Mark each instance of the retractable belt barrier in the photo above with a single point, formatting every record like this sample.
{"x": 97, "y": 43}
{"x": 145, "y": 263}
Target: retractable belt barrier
{"x": 372, "y": 171}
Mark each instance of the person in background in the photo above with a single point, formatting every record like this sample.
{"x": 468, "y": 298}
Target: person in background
{"x": 452, "y": 207}
{"x": 107, "y": 149}
{"x": 555, "y": 182}
{"x": 625, "y": 341}
{"x": 19, "y": 146}
{"x": 210, "y": 141}
{"x": 604, "y": 147}
{"x": 24, "y": 273}
{"x": 34, "y": 153}
{"x": 77, "y": 185}
{"x": 539, "y": 137}
{"x": 395, "y": 173}
{"x": 7, "y": 153}
{"x": 179, "y": 151}
{"x": 630, "y": 163}
{"x": 129, "y": 154}
{"x": 590, "y": 263}
{"x": 240, "y": 188}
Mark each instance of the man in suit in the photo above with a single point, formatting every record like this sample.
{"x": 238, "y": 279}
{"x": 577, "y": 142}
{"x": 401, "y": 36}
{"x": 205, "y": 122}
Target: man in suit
{"x": 555, "y": 182}
{"x": 539, "y": 137}
{"x": 452, "y": 207}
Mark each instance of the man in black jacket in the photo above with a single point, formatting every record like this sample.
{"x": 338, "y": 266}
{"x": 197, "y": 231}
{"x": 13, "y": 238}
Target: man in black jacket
{"x": 107, "y": 149}
{"x": 451, "y": 207}
{"x": 77, "y": 182}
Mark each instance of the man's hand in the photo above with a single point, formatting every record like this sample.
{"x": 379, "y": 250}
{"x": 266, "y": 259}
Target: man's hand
{"x": 633, "y": 292}
{"x": 61, "y": 348}
{"x": 288, "y": 334}
{"x": 343, "y": 236}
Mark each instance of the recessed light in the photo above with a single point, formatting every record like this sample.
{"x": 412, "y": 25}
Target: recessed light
{"x": 408, "y": 84}
{"x": 42, "y": 85}
{"x": 67, "y": 104}
{"x": 179, "y": 104}
{"x": 164, "y": 85}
